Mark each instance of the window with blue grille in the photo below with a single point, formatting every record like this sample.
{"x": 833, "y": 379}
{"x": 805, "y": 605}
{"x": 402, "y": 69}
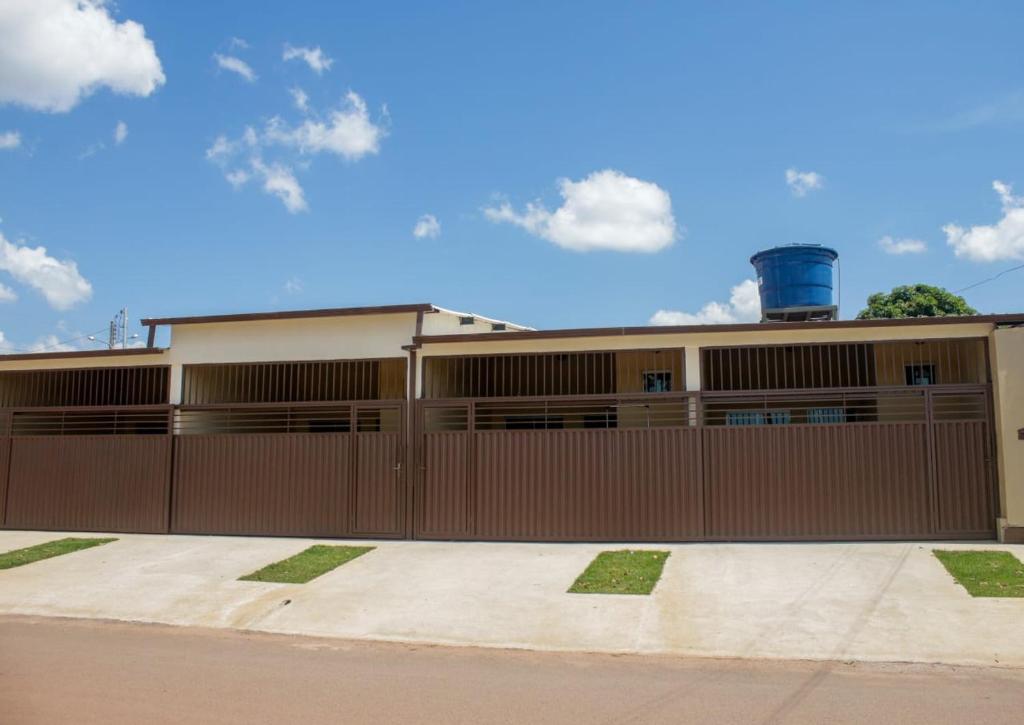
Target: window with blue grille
{"x": 826, "y": 415}
{"x": 657, "y": 381}
{"x": 758, "y": 417}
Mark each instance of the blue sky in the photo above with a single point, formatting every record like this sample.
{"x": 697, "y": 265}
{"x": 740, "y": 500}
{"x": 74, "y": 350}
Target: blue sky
{"x": 652, "y": 140}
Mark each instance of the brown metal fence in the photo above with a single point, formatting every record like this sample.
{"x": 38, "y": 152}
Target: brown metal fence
{"x": 97, "y": 469}
{"x": 298, "y": 470}
{"x": 843, "y": 464}
{"x": 590, "y": 469}
{"x": 857, "y": 481}
{"x": 5, "y": 451}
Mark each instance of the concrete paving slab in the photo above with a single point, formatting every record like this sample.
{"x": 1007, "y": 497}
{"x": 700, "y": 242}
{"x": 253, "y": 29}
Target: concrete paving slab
{"x": 843, "y": 601}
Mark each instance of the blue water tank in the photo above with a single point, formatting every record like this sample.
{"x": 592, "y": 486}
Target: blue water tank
{"x": 794, "y": 275}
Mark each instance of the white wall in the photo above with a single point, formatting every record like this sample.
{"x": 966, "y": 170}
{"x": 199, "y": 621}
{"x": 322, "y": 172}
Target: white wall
{"x": 1008, "y": 393}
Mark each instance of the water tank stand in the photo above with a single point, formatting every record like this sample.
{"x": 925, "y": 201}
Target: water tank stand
{"x": 816, "y": 313}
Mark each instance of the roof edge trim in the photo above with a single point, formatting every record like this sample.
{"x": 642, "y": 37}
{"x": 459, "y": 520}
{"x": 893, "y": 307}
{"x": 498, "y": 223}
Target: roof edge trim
{"x": 713, "y": 329}
{"x": 290, "y": 314}
{"x": 70, "y": 354}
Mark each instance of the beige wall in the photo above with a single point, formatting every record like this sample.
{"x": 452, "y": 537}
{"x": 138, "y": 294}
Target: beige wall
{"x": 316, "y": 338}
{"x": 85, "y": 362}
{"x": 1008, "y": 378}
{"x": 707, "y": 339}
{"x": 446, "y": 322}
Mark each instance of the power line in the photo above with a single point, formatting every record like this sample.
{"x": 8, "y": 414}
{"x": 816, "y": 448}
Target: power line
{"x": 58, "y": 343}
{"x": 984, "y": 281}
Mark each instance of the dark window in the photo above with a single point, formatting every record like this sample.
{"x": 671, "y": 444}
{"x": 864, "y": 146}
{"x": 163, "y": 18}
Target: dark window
{"x": 657, "y": 381}
{"x": 758, "y": 417}
{"x": 498, "y": 326}
{"x": 920, "y": 374}
{"x": 534, "y": 422}
{"x": 608, "y": 419}
{"x": 467, "y": 320}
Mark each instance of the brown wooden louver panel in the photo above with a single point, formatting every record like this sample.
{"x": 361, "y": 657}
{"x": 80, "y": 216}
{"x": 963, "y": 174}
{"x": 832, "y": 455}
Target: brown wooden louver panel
{"x": 295, "y": 382}
{"x": 78, "y": 387}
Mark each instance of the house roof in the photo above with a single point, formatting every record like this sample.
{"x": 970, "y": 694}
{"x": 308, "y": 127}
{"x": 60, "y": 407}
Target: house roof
{"x": 327, "y": 312}
{"x": 1002, "y": 319}
{"x": 83, "y": 353}
{"x": 291, "y": 314}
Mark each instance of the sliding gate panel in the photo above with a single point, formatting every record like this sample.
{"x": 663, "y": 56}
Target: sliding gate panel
{"x": 856, "y": 481}
{"x": 300, "y": 470}
{"x": 588, "y": 485}
{"x": 263, "y": 483}
{"x": 582, "y": 470}
{"x": 5, "y": 450}
{"x": 99, "y": 470}
{"x": 964, "y": 477}
{"x": 443, "y": 489}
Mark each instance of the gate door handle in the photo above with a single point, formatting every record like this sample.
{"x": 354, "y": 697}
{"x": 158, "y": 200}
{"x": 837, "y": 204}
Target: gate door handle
{"x": 398, "y": 467}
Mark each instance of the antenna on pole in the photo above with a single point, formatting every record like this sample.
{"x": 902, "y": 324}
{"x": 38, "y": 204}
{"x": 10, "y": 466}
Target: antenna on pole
{"x": 117, "y": 331}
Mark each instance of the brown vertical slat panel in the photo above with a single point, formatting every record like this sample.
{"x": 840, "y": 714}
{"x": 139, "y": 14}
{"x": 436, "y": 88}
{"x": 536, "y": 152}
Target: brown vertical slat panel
{"x": 295, "y": 484}
{"x": 5, "y": 450}
{"x": 443, "y": 499}
{"x": 596, "y": 485}
{"x": 377, "y": 496}
{"x": 89, "y": 483}
{"x": 965, "y": 486}
{"x": 858, "y": 481}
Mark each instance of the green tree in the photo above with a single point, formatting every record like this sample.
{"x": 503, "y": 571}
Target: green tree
{"x": 915, "y": 300}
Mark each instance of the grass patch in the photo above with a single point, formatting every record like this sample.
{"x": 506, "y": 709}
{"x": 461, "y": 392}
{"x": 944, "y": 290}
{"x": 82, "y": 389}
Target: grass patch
{"x": 306, "y": 565}
{"x": 20, "y": 557}
{"x": 985, "y": 573}
{"x": 621, "y": 572}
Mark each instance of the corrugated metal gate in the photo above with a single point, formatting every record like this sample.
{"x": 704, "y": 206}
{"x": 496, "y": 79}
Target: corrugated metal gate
{"x": 88, "y": 469}
{"x": 879, "y": 465}
{"x": 5, "y": 451}
{"x": 513, "y": 471}
{"x": 299, "y": 470}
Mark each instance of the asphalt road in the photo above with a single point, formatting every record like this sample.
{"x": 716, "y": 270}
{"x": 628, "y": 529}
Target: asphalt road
{"x": 87, "y": 671}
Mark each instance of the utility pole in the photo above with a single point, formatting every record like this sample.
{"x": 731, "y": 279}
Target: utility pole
{"x": 117, "y": 331}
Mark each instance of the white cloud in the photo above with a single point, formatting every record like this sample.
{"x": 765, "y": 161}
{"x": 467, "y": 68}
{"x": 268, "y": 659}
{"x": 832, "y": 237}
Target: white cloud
{"x": 120, "y": 132}
{"x": 890, "y": 245}
{"x": 427, "y": 227}
{"x": 54, "y": 53}
{"x": 237, "y": 178}
{"x": 349, "y": 132}
{"x": 91, "y": 150}
{"x": 744, "y": 305}
{"x": 237, "y": 42}
{"x": 293, "y": 286}
{"x": 235, "y": 65}
{"x": 271, "y": 156}
{"x": 9, "y": 140}
{"x": 802, "y": 182}
{"x": 7, "y": 294}
{"x": 989, "y": 243}
{"x": 51, "y": 343}
{"x": 280, "y": 181}
{"x": 300, "y": 99}
{"x": 220, "y": 149}
{"x": 606, "y": 210}
{"x": 313, "y": 57}
{"x": 58, "y": 280}
{"x": 1006, "y": 109}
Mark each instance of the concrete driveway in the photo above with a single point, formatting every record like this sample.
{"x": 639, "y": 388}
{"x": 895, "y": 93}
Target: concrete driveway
{"x": 864, "y": 601}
